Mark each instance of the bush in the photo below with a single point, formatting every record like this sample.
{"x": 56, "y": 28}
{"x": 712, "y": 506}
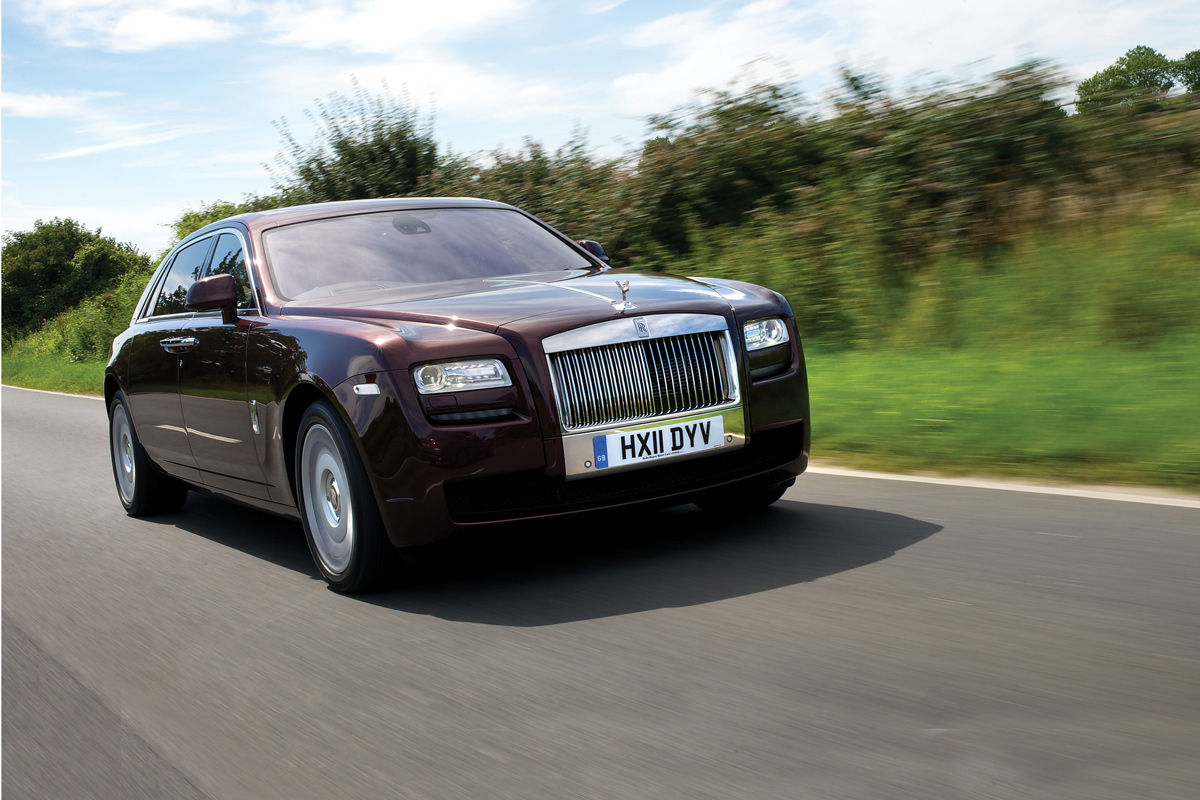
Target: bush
{"x": 55, "y": 266}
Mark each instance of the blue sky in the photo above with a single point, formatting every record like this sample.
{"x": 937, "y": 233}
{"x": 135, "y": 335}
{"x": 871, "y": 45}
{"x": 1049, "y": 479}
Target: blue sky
{"x": 123, "y": 113}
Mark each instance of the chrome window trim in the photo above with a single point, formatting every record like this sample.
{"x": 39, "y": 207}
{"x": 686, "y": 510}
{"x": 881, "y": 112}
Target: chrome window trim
{"x": 626, "y": 330}
{"x": 161, "y": 276}
{"x": 249, "y": 267}
{"x": 151, "y": 289}
{"x": 150, "y": 294}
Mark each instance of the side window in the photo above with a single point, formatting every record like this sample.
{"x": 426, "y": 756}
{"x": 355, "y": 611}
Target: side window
{"x": 185, "y": 269}
{"x": 228, "y": 259}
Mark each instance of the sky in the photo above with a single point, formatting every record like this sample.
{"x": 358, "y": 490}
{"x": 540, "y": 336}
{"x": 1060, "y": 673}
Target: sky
{"x": 122, "y": 114}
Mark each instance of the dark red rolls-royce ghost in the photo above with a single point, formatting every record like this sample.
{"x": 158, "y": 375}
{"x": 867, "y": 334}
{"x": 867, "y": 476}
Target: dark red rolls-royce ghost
{"x": 393, "y": 371}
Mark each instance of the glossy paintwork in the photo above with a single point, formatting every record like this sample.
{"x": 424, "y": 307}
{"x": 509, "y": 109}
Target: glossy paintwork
{"x": 155, "y": 404}
{"x": 294, "y": 352}
{"x": 212, "y": 394}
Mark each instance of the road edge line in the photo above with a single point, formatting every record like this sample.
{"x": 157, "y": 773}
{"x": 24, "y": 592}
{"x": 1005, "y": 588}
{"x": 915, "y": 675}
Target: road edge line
{"x": 47, "y": 391}
{"x": 1062, "y": 491}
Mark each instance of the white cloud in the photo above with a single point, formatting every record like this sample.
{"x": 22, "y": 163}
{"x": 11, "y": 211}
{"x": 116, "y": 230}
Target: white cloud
{"x": 705, "y": 51}
{"x": 481, "y": 89}
{"x": 122, "y": 139}
{"x": 386, "y": 26}
{"x": 364, "y": 26}
{"x": 944, "y": 36}
{"x": 50, "y": 105}
{"x": 603, "y": 6}
{"x": 133, "y": 25}
{"x": 104, "y": 123}
{"x": 955, "y": 39}
{"x": 139, "y": 223}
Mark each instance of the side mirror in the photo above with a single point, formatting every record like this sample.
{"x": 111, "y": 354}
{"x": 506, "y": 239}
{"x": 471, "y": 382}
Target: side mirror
{"x": 594, "y": 248}
{"x": 215, "y": 291}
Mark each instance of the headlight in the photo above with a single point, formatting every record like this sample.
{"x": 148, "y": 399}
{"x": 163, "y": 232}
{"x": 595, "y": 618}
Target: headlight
{"x": 765, "y": 333}
{"x": 460, "y": 376}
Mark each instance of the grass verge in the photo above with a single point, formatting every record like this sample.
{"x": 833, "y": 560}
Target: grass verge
{"x": 1105, "y": 415}
{"x": 52, "y": 372}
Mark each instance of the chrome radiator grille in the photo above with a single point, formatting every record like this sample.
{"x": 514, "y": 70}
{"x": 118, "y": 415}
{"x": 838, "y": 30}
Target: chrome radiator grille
{"x": 640, "y": 379}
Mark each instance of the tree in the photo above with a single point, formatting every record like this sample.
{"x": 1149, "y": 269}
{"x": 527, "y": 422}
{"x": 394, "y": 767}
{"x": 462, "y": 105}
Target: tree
{"x": 366, "y": 146}
{"x": 193, "y": 219}
{"x": 1141, "y": 71}
{"x": 56, "y": 265}
{"x": 717, "y": 160}
{"x": 1187, "y": 70}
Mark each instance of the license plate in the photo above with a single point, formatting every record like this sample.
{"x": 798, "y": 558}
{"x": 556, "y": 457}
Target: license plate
{"x": 662, "y": 441}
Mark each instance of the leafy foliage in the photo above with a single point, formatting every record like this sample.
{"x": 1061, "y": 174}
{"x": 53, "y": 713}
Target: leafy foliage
{"x": 55, "y": 266}
{"x": 366, "y": 146}
{"x": 1187, "y": 69}
{"x": 880, "y": 220}
{"x": 568, "y": 188}
{"x": 193, "y": 219}
{"x": 1141, "y": 71}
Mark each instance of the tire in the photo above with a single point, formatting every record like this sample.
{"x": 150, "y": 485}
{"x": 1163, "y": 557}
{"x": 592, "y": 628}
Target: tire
{"x": 742, "y": 499}
{"x": 337, "y": 507}
{"x": 142, "y": 489}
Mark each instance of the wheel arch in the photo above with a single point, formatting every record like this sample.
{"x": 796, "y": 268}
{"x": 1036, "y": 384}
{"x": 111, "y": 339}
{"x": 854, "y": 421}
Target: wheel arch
{"x": 111, "y": 387}
{"x": 294, "y": 405}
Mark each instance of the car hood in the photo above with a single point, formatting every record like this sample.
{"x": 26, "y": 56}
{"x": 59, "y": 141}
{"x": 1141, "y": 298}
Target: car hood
{"x": 557, "y": 300}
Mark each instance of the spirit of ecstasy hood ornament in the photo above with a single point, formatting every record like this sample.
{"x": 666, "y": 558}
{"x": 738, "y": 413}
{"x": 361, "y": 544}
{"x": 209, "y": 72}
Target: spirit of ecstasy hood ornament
{"x": 623, "y": 304}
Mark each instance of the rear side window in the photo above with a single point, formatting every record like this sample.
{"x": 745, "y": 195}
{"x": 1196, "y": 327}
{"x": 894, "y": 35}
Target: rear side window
{"x": 228, "y": 259}
{"x": 184, "y": 271}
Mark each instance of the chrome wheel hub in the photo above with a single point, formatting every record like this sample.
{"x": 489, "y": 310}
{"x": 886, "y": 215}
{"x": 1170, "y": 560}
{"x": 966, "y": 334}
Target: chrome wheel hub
{"x": 328, "y": 512}
{"x": 122, "y": 454}
{"x": 333, "y": 498}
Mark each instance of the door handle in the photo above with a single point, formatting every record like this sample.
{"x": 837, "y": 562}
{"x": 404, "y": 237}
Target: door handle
{"x": 179, "y": 344}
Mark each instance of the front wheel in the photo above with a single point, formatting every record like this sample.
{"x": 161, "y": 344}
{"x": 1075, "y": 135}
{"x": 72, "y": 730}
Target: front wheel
{"x": 341, "y": 520}
{"x": 142, "y": 489}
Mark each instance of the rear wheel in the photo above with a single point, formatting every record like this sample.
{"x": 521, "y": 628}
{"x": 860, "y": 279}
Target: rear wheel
{"x": 142, "y": 489}
{"x": 341, "y": 520}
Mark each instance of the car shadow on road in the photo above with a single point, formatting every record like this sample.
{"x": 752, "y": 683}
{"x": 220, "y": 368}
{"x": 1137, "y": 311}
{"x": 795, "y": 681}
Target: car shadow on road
{"x": 598, "y": 565}
{"x": 613, "y": 564}
{"x": 256, "y": 533}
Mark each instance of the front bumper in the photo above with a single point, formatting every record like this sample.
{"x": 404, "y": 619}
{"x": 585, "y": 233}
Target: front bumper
{"x": 432, "y": 479}
{"x": 770, "y": 457}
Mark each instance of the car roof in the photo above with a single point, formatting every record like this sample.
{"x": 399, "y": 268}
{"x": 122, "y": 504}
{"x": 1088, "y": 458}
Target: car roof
{"x": 261, "y": 220}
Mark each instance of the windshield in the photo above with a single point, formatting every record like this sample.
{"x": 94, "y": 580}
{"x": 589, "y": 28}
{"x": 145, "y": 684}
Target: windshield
{"x": 367, "y": 252}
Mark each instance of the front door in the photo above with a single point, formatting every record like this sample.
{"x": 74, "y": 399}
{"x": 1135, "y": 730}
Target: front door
{"x": 212, "y": 386}
{"x": 157, "y": 352}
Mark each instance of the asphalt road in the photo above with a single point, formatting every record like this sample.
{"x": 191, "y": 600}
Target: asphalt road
{"x": 861, "y": 639}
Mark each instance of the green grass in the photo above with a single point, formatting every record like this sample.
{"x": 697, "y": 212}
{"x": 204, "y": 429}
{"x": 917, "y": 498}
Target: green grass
{"x": 52, "y": 372}
{"x": 1105, "y": 415}
{"x": 1099, "y": 415}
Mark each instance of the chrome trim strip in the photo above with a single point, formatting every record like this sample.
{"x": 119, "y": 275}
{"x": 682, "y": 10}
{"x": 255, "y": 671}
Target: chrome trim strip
{"x": 553, "y": 285}
{"x": 626, "y": 330}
